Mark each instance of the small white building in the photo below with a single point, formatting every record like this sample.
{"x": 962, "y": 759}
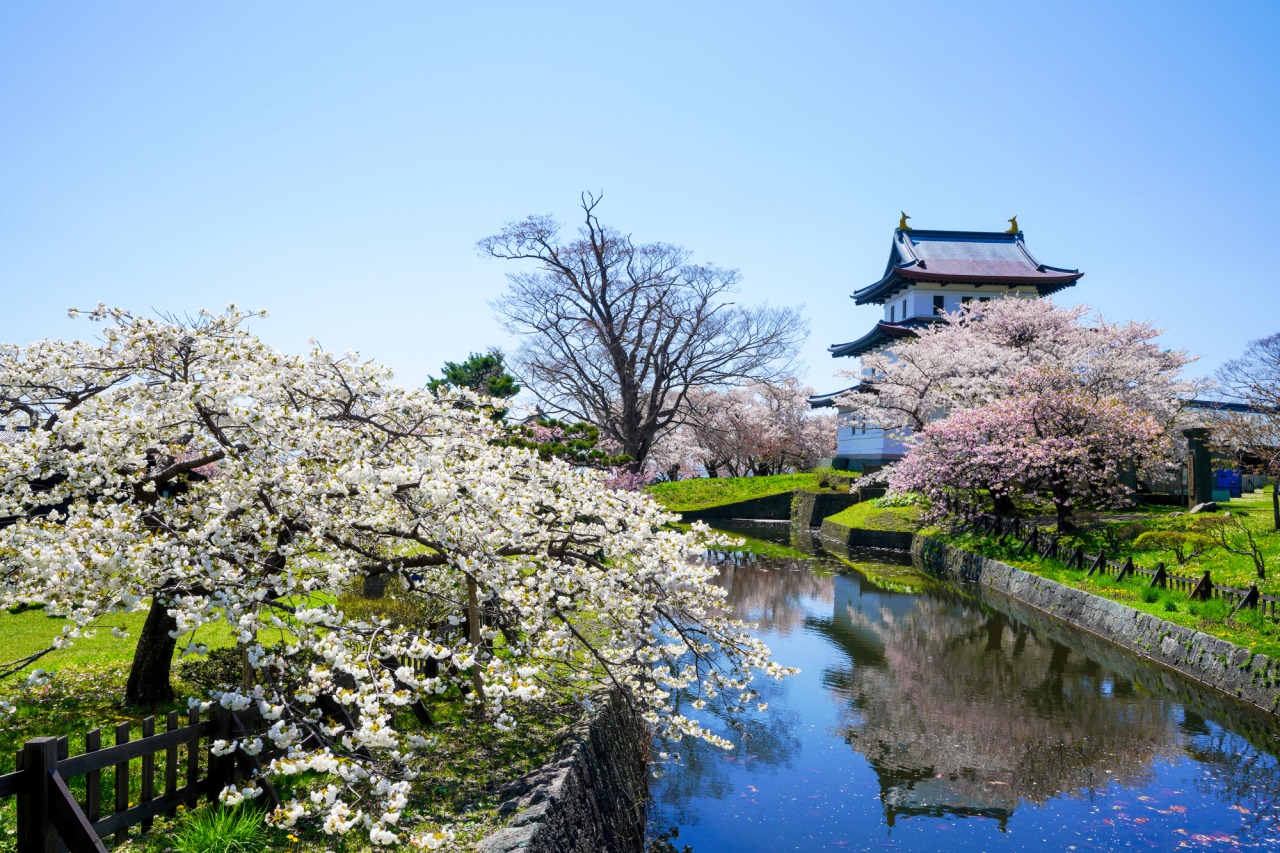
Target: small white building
{"x": 930, "y": 273}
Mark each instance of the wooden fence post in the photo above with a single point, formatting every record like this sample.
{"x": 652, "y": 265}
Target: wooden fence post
{"x": 1250, "y": 599}
{"x": 36, "y": 832}
{"x": 1204, "y": 588}
{"x": 1126, "y": 569}
{"x": 122, "y": 782}
{"x": 1161, "y": 577}
{"x": 1098, "y": 563}
{"x": 222, "y": 768}
{"x": 1077, "y": 558}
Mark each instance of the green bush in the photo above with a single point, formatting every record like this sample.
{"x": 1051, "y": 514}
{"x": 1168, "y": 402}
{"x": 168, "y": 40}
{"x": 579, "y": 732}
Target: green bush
{"x": 212, "y": 671}
{"x": 215, "y": 829}
{"x": 1170, "y": 606}
{"x": 401, "y": 611}
{"x": 1150, "y": 595}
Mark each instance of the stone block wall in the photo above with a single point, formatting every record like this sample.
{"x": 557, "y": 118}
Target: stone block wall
{"x": 808, "y": 509}
{"x": 1241, "y": 674}
{"x": 591, "y": 798}
{"x": 852, "y": 537}
{"x": 770, "y": 508}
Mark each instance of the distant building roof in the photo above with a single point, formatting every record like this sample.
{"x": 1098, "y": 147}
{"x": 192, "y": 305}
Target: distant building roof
{"x": 10, "y": 436}
{"x": 822, "y": 401}
{"x": 882, "y": 333}
{"x": 972, "y": 257}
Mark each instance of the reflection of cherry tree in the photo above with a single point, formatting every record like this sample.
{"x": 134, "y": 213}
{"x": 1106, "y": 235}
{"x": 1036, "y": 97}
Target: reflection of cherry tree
{"x": 963, "y": 712}
{"x": 769, "y": 593}
{"x": 759, "y": 741}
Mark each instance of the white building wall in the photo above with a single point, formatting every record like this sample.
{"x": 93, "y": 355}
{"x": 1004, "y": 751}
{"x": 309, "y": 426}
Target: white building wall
{"x": 918, "y": 301}
{"x": 857, "y": 440}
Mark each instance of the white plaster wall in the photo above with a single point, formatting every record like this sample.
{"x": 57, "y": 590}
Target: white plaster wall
{"x": 918, "y": 301}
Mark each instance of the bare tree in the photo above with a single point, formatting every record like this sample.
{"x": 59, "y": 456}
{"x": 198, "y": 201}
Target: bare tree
{"x": 1254, "y": 434}
{"x": 618, "y": 333}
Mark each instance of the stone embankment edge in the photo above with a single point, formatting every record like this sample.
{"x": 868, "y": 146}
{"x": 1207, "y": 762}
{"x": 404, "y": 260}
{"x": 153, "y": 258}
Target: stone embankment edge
{"x": 1244, "y": 675}
{"x": 590, "y": 798}
{"x": 858, "y": 537}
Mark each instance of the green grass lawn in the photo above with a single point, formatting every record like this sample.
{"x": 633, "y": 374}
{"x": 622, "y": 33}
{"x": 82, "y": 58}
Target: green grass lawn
{"x": 868, "y": 516}
{"x": 461, "y": 781}
{"x": 1116, "y": 537}
{"x": 706, "y": 492}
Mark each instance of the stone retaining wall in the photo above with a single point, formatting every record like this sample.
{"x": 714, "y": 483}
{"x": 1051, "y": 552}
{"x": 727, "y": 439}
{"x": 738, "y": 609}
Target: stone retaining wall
{"x": 769, "y": 508}
{"x": 591, "y": 798}
{"x": 808, "y": 509}
{"x": 852, "y": 537}
{"x": 1251, "y": 678}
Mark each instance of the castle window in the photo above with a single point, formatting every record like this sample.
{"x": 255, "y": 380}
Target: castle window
{"x": 984, "y": 298}
{"x": 966, "y": 299}
{"x": 939, "y": 305}
{"x": 893, "y": 313}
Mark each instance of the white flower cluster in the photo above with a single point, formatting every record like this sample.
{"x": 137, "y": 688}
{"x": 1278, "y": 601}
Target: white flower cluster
{"x": 189, "y": 466}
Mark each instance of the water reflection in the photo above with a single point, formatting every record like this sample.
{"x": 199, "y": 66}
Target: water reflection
{"x": 960, "y": 711}
{"x": 920, "y": 705}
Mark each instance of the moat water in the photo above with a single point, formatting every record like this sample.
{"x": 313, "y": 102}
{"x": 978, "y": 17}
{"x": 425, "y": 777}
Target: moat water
{"x": 931, "y": 717}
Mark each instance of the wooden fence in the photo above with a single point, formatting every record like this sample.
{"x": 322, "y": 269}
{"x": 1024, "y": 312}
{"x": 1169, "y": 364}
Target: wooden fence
{"x": 52, "y": 819}
{"x": 1046, "y": 546}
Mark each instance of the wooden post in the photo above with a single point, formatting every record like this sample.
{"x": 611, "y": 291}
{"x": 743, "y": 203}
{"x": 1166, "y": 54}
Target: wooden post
{"x": 193, "y": 756}
{"x": 222, "y": 768}
{"x": 1204, "y": 588}
{"x": 171, "y": 761}
{"x": 1250, "y": 599}
{"x": 1161, "y": 577}
{"x": 1077, "y": 558}
{"x": 93, "y": 779}
{"x": 1098, "y": 562}
{"x": 36, "y": 831}
{"x": 148, "y": 770}
{"x": 122, "y": 782}
{"x": 1126, "y": 569}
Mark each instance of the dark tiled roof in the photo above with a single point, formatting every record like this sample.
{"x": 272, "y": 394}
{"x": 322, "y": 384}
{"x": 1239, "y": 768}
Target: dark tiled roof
{"x": 9, "y": 436}
{"x": 883, "y": 333}
{"x": 974, "y": 257}
{"x": 821, "y": 401}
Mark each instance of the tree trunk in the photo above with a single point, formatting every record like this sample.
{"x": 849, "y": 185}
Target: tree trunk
{"x": 1003, "y": 504}
{"x": 473, "y": 632}
{"x": 153, "y": 658}
{"x": 1275, "y": 504}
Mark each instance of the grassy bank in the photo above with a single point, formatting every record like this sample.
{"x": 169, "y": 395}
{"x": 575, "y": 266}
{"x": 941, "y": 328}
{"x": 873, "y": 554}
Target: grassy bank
{"x": 706, "y": 492}
{"x": 868, "y": 516}
{"x": 1119, "y": 538}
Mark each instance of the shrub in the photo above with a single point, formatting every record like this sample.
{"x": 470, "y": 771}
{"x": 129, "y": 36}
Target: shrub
{"x": 215, "y": 829}
{"x": 1150, "y": 595}
{"x": 1170, "y": 606}
{"x": 215, "y": 670}
{"x": 1184, "y": 546}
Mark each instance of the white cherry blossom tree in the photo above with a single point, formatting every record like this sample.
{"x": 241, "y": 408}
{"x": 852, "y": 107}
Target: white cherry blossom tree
{"x": 187, "y": 469}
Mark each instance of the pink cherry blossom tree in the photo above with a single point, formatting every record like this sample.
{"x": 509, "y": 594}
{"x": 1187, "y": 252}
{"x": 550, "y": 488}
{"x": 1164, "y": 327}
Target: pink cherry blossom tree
{"x": 1051, "y": 435}
{"x": 968, "y": 358}
{"x": 758, "y": 429}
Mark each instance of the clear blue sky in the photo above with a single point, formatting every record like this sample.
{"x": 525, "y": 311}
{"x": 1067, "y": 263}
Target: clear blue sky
{"x": 335, "y": 163}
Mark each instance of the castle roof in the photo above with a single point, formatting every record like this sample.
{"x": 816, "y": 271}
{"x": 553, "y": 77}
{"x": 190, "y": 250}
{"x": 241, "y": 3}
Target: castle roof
{"x": 882, "y": 334}
{"x": 972, "y": 257}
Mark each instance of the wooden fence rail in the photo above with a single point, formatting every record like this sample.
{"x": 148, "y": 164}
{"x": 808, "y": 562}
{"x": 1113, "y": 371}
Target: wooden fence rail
{"x": 52, "y": 819}
{"x": 1045, "y": 546}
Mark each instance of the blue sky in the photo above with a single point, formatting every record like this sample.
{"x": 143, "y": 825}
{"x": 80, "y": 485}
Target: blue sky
{"x": 336, "y": 164}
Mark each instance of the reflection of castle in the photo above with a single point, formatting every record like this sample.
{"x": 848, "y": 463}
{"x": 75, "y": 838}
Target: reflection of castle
{"x": 963, "y": 712}
{"x": 930, "y": 273}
